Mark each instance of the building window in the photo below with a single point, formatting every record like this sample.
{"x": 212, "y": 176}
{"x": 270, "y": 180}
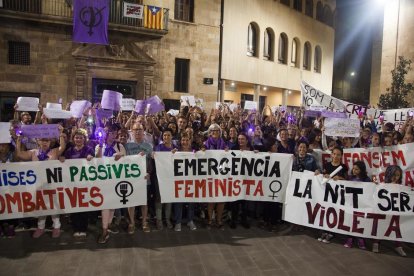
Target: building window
{"x": 309, "y": 8}
{"x": 182, "y": 69}
{"x": 297, "y": 5}
{"x": 327, "y": 16}
{"x": 268, "y": 45}
{"x": 307, "y": 56}
{"x": 283, "y": 47}
{"x": 295, "y": 52}
{"x": 184, "y": 10}
{"x": 318, "y": 59}
{"x": 252, "y": 39}
{"x": 319, "y": 11}
{"x": 285, "y": 2}
{"x": 19, "y": 53}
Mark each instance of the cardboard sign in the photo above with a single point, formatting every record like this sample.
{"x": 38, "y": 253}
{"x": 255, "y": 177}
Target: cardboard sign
{"x": 342, "y": 127}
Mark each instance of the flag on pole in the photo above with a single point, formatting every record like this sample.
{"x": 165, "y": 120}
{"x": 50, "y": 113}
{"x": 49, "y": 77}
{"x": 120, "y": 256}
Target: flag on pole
{"x": 90, "y": 21}
{"x": 133, "y": 10}
{"x": 153, "y": 17}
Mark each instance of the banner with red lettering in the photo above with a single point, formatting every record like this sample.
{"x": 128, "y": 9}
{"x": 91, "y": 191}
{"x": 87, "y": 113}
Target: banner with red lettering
{"x": 31, "y": 189}
{"x": 362, "y": 209}
{"x": 221, "y": 176}
{"x": 376, "y": 160}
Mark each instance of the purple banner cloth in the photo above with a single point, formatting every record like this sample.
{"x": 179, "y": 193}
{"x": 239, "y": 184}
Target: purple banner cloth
{"x": 40, "y": 131}
{"x": 90, "y": 21}
{"x": 331, "y": 114}
{"x": 111, "y": 100}
{"x": 312, "y": 113}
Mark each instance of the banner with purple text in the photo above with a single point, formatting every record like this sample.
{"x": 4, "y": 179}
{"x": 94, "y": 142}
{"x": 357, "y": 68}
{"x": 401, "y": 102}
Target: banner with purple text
{"x": 222, "y": 176}
{"x": 362, "y": 209}
{"x": 31, "y": 189}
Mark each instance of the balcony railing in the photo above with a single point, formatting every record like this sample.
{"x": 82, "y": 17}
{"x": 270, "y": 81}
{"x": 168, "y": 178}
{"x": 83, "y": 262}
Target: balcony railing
{"x": 64, "y": 9}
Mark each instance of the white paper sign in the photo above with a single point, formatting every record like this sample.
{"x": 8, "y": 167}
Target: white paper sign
{"x": 342, "y": 127}
{"x": 56, "y": 113}
{"x": 185, "y": 100}
{"x": 173, "y": 112}
{"x": 78, "y": 107}
{"x": 5, "y": 133}
{"x": 233, "y": 107}
{"x": 111, "y": 100}
{"x": 27, "y": 104}
{"x": 127, "y": 104}
{"x": 54, "y": 106}
{"x": 250, "y": 105}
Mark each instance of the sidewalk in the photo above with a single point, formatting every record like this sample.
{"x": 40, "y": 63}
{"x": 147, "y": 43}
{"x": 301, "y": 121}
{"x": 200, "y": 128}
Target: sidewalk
{"x": 201, "y": 252}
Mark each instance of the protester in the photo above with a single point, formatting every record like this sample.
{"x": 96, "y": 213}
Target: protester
{"x": 77, "y": 150}
{"x": 42, "y": 153}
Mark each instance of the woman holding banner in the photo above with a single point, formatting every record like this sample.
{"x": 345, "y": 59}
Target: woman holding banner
{"x": 215, "y": 142}
{"x": 185, "y": 145}
{"x": 393, "y": 175}
{"x": 108, "y": 147}
{"x": 43, "y": 152}
{"x": 166, "y": 145}
{"x": 78, "y": 150}
{"x": 341, "y": 170}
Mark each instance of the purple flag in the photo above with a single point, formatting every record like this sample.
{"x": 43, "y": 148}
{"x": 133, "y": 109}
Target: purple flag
{"x": 90, "y": 21}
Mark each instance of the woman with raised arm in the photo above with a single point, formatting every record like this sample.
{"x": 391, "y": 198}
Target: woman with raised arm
{"x": 43, "y": 152}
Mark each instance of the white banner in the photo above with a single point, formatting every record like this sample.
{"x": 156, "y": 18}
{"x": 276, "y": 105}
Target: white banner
{"x": 362, "y": 209}
{"x": 377, "y": 160}
{"x": 342, "y": 127}
{"x": 31, "y": 189}
{"x": 221, "y": 176}
{"x": 314, "y": 97}
{"x": 133, "y": 10}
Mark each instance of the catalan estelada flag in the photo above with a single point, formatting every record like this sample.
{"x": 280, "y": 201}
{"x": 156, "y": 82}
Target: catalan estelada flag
{"x": 153, "y": 17}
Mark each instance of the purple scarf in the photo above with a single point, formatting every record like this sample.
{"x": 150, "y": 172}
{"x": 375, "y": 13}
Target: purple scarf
{"x": 42, "y": 156}
{"x": 217, "y": 144}
{"x": 109, "y": 151}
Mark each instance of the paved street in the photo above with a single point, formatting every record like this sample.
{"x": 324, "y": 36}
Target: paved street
{"x": 202, "y": 252}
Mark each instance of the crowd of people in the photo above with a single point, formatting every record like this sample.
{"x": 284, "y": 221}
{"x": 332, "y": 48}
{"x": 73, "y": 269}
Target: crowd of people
{"x": 193, "y": 129}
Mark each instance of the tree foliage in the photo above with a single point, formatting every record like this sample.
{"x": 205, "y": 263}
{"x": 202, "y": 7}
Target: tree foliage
{"x": 397, "y": 95}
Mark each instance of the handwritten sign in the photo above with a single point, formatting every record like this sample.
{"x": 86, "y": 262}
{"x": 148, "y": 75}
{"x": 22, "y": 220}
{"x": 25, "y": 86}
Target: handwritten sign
{"x": 40, "y": 131}
{"x": 27, "y": 104}
{"x": 342, "y": 127}
{"x": 52, "y": 113}
{"x": 111, "y": 100}
{"x": 5, "y": 133}
{"x": 78, "y": 107}
{"x": 173, "y": 112}
{"x": 250, "y": 105}
{"x": 127, "y": 104}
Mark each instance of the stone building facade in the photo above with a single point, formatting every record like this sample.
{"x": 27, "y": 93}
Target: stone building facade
{"x": 394, "y": 37}
{"x": 139, "y": 62}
